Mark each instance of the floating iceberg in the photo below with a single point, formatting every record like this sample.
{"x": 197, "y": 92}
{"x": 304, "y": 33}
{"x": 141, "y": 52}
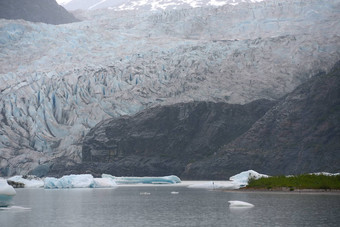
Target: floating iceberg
{"x": 104, "y": 183}
{"x": 28, "y": 181}
{"x": 243, "y": 177}
{"x": 78, "y": 181}
{"x": 144, "y": 180}
{"x": 69, "y": 181}
{"x": 6, "y": 193}
{"x": 239, "y": 204}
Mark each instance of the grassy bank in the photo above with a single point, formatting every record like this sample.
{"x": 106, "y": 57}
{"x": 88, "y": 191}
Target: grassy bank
{"x": 305, "y": 181}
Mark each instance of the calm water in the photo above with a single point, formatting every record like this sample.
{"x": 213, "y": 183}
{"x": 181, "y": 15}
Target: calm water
{"x": 125, "y": 206}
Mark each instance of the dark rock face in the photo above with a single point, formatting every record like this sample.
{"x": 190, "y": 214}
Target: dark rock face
{"x": 164, "y": 140}
{"x": 300, "y": 134}
{"x": 46, "y": 11}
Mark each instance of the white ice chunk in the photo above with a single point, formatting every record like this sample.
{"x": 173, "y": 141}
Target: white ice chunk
{"x": 29, "y": 183}
{"x": 243, "y": 177}
{"x": 6, "y": 193}
{"x": 6, "y": 189}
{"x": 15, "y": 208}
{"x": 239, "y": 204}
{"x": 104, "y": 183}
{"x": 144, "y": 180}
{"x": 70, "y": 181}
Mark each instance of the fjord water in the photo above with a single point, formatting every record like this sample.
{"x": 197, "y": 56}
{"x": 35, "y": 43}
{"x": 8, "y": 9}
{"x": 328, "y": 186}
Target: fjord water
{"x": 157, "y": 206}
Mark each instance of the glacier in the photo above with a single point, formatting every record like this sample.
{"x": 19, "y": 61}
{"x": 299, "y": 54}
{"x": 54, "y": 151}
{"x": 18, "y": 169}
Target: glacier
{"x": 57, "y": 82}
{"x": 144, "y": 180}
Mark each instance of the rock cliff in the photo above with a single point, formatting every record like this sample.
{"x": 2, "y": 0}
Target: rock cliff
{"x": 300, "y": 134}
{"x": 164, "y": 139}
{"x": 46, "y": 11}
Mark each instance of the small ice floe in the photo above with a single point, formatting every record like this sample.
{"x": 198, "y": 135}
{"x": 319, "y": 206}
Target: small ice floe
{"x": 239, "y": 204}
{"x": 6, "y": 193}
{"x": 174, "y": 193}
{"x": 144, "y": 193}
{"x": 15, "y": 208}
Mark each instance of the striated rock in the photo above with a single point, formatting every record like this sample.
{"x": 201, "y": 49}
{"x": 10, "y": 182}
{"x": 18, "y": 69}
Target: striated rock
{"x": 46, "y": 11}
{"x": 163, "y": 140}
{"x": 300, "y": 134}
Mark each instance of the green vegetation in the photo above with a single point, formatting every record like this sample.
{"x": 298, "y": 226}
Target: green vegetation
{"x": 305, "y": 181}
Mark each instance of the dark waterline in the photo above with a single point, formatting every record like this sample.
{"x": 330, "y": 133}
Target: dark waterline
{"x": 130, "y": 206}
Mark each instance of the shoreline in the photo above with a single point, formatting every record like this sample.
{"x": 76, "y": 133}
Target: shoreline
{"x": 286, "y": 190}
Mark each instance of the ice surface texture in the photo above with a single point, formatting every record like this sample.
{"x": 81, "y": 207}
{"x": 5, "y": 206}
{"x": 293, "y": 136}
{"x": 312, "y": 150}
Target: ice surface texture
{"x": 57, "y": 82}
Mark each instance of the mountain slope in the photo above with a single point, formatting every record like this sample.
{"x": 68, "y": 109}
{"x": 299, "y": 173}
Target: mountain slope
{"x": 46, "y": 11}
{"x": 300, "y": 134}
{"x": 164, "y": 139}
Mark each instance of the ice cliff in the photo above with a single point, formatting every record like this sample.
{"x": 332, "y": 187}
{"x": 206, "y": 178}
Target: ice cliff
{"x": 57, "y": 82}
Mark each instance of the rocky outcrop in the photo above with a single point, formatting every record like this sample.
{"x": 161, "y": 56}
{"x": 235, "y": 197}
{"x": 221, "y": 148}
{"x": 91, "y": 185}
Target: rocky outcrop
{"x": 165, "y": 139}
{"x": 300, "y": 134}
{"x": 46, "y": 11}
